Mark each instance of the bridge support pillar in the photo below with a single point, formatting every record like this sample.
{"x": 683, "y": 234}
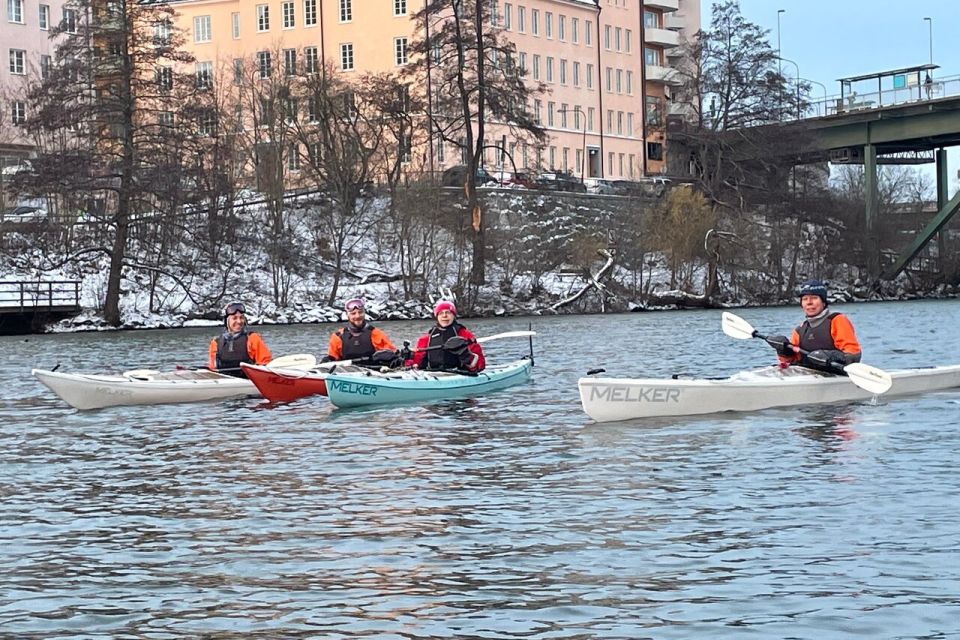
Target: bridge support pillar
{"x": 943, "y": 195}
{"x": 871, "y": 243}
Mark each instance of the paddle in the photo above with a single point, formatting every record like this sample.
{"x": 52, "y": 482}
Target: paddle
{"x": 866, "y": 377}
{"x": 292, "y": 361}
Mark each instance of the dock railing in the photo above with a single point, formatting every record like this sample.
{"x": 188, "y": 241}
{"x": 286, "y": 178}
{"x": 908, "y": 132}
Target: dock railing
{"x": 18, "y": 296}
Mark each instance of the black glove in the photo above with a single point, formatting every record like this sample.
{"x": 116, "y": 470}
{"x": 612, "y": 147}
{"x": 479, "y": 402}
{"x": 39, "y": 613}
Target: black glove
{"x": 456, "y": 345}
{"x": 326, "y": 358}
{"x": 466, "y": 357}
{"x": 383, "y": 357}
{"x": 827, "y": 358}
{"x": 405, "y": 353}
{"x": 781, "y": 345}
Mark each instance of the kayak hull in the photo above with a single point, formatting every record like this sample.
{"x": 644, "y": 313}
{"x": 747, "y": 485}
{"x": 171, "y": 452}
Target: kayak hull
{"x": 89, "y": 391}
{"x": 611, "y": 399}
{"x": 414, "y": 386}
{"x": 279, "y": 384}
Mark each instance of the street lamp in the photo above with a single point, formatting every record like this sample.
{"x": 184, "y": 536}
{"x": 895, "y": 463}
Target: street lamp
{"x": 779, "y": 70}
{"x": 930, "y": 31}
{"x": 583, "y": 152}
{"x": 779, "y": 59}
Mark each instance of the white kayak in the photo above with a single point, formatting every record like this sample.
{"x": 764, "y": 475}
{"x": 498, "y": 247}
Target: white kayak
{"x": 92, "y": 391}
{"x": 610, "y": 399}
{"x": 148, "y": 386}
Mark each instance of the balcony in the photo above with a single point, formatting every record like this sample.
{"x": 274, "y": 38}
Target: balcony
{"x": 665, "y": 75}
{"x": 674, "y": 22}
{"x": 661, "y": 37}
{"x": 666, "y": 5}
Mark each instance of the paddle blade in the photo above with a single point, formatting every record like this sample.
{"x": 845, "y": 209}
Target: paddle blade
{"x": 507, "y": 334}
{"x": 869, "y": 378}
{"x": 736, "y": 327}
{"x": 295, "y": 361}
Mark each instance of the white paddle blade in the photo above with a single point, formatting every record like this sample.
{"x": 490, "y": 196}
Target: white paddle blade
{"x": 507, "y": 334}
{"x": 869, "y": 378}
{"x": 295, "y": 361}
{"x": 141, "y": 374}
{"x": 735, "y": 326}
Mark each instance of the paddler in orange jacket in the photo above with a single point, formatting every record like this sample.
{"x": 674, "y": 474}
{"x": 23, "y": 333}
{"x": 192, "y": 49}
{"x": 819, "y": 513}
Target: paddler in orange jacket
{"x": 236, "y": 344}
{"x": 827, "y": 337}
{"x": 358, "y": 339}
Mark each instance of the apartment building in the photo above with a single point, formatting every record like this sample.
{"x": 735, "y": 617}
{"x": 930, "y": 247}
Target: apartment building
{"x": 28, "y": 53}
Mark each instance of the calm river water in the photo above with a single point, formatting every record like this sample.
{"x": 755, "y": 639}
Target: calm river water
{"x": 507, "y": 516}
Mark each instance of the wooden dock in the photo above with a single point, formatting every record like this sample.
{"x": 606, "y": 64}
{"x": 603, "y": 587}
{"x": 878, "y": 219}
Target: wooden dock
{"x": 27, "y": 305}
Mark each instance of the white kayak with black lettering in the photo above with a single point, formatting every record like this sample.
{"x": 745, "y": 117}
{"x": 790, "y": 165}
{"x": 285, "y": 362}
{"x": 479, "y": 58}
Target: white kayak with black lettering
{"x": 609, "y": 399}
{"x": 92, "y": 391}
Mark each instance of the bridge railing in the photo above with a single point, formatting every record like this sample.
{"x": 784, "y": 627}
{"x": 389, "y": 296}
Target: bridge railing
{"x": 38, "y": 295}
{"x": 851, "y": 103}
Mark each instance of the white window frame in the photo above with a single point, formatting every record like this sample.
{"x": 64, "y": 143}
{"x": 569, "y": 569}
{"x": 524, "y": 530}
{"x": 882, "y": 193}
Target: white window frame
{"x": 311, "y": 61}
{"x": 346, "y": 10}
{"x": 548, "y": 24}
{"x": 399, "y": 8}
{"x": 15, "y": 11}
{"x": 401, "y": 55}
{"x": 204, "y": 74}
{"x": 288, "y": 14}
{"x": 202, "y": 29}
{"x": 43, "y": 17}
{"x": 507, "y": 16}
{"x": 521, "y": 19}
{"x": 289, "y": 62}
{"x": 309, "y": 13}
{"x": 575, "y": 30}
{"x": 18, "y": 62}
{"x": 235, "y": 25}
{"x": 263, "y": 18}
{"x": 588, "y": 33}
{"x": 264, "y": 64}
{"x": 18, "y": 112}
{"x": 70, "y": 20}
{"x": 562, "y": 28}
{"x": 535, "y": 22}
{"x": 347, "y": 62}
{"x": 549, "y": 69}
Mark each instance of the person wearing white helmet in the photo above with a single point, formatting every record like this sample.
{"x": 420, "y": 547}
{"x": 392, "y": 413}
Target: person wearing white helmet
{"x": 827, "y": 337}
{"x": 448, "y": 345}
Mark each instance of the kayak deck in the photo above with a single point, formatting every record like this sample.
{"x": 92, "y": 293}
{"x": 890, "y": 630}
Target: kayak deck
{"x": 414, "y": 385}
{"x": 281, "y": 384}
{"x": 611, "y": 399}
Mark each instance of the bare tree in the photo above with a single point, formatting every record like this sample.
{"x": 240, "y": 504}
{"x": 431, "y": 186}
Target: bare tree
{"x": 463, "y": 57}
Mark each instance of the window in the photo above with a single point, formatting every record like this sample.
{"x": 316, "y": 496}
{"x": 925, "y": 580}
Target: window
{"x": 563, "y": 71}
{"x": 654, "y": 151}
{"x": 18, "y": 112}
{"x": 589, "y": 76}
{"x": 202, "y": 29}
{"x": 162, "y": 31}
{"x": 399, "y": 7}
{"x": 651, "y": 20}
{"x": 290, "y": 110}
{"x": 405, "y": 144}
{"x": 440, "y": 150}
{"x": 538, "y": 111}
{"x": 290, "y": 62}
{"x": 309, "y": 12}
{"x": 311, "y": 61}
{"x": 346, "y": 56}
{"x": 45, "y": 66}
{"x": 204, "y": 75}
{"x": 314, "y": 150}
{"x": 346, "y": 11}
{"x": 651, "y": 57}
{"x": 287, "y": 13}
{"x": 632, "y": 161}
{"x": 15, "y": 11}
{"x": 628, "y": 36}
{"x": 165, "y": 119}
{"x": 630, "y": 123}
{"x": 617, "y": 36}
{"x": 610, "y": 162}
{"x": 575, "y": 31}
{"x": 609, "y": 79}
{"x": 18, "y": 58}
{"x": 654, "y": 115}
{"x": 548, "y": 24}
{"x": 493, "y": 13}
{"x": 507, "y": 16}
{"x": 44, "y": 16}
{"x": 535, "y": 22}
{"x": 521, "y": 19}
{"x": 566, "y": 158}
{"x": 207, "y": 122}
{"x": 293, "y": 158}
{"x": 562, "y": 28}
{"x": 576, "y": 74}
{"x": 69, "y": 20}
{"x": 610, "y": 121}
{"x": 238, "y": 71}
{"x": 619, "y": 80}
{"x": 235, "y": 25}
{"x": 619, "y": 123}
{"x": 563, "y": 114}
{"x": 549, "y": 68}
{"x": 313, "y": 109}
{"x": 550, "y": 109}
{"x": 536, "y": 66}
{"x": 620, "y": 158}
{"x": 588, "y": 33}
{"x": 606, "y": 37}
{"x": 263, "y": 17}
{"x": 264, "y": 64}
{"x": 523, "y": 63}
{"x": 579, "y": 167}
{"x": 590, "y": 118}
{"x": 630, "y": 82}
{"x": 553, "y": 157}
{"x": 164, "y": 78}
{"x": 400, "y": 51}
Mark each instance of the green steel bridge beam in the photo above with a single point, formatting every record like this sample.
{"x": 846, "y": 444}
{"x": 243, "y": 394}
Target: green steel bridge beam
{"x": 943, "y": 216}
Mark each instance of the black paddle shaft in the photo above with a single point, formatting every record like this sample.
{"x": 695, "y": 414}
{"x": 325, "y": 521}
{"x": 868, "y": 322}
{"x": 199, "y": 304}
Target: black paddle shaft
{"x": 833, "y": 365}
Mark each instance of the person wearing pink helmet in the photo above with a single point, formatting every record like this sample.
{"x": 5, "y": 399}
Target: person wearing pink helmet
{"x": 448, "y": 345}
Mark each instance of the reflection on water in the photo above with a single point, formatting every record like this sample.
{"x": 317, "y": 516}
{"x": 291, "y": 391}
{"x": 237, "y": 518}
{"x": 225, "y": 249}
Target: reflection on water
{"x": 504, "y": 516}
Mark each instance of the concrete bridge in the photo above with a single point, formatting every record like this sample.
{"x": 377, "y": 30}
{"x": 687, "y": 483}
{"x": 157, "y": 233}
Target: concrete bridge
{"x": 26, "y": 305}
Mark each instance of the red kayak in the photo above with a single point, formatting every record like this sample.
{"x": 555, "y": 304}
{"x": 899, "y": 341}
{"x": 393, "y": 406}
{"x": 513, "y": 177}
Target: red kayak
{"x": 279, "y": 384}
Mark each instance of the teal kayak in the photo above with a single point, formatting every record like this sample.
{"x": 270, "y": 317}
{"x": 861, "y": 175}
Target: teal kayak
{"x": 357, "y": 389}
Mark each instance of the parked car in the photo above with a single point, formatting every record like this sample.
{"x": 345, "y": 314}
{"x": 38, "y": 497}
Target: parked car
{"x": 456, "y": 176}
{"x": 560, "y": 181}
{"x": 23, "y": 215}
{"x": 522, "y": 179}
